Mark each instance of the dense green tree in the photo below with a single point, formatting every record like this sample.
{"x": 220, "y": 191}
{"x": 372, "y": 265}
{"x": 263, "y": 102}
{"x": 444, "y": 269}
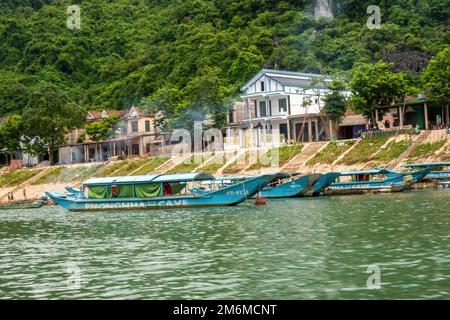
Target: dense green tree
{"x": 436, "y": 78}
{"x": 373, "y": 85}
{"x": 11, "y": 131}
{"x": 100, "y": 130}
{"x": 335, "y": 102}
{"x": 48, "y": 117}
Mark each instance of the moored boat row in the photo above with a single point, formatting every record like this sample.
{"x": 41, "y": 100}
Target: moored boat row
{"x": 204, "y": 190}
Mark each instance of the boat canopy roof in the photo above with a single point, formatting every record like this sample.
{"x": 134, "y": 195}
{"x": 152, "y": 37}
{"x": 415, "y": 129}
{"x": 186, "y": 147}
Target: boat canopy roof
{"x": 374, "y": 171}
{"x": 427, "y": 165}
{"x": 150, "y": 178}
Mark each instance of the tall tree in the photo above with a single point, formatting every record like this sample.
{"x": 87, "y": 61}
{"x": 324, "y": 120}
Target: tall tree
{"x": 48, "y": 117}
{"x": 335, "y": 102}
{"x": 436, "y": 77}
{"x": 373, "y": 86}
{"x": 11, "y": 131}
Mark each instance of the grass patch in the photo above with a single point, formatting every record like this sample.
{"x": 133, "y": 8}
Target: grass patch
{"x": 17, "y": 177}
{"x": 151, "y": 165}
{"x": 393, "y": 150}
{"x": 189, "y": 164}
{"x": 130, "y": 167}
{"x": 331, "y": 152}
{"x": 218, "y": 162}
{"x": 263, "y": 161}
{"x": 237, "y": 165}
{"x": 364, "y": 150}
{"x": 287, "y": 153}
{"x": 426, "y": 149}
{"x": 107, "y": 170}
{"x": 67, "y": 174}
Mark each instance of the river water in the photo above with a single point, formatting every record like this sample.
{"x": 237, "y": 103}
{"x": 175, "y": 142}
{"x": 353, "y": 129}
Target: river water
{"x": 314, "y": 248}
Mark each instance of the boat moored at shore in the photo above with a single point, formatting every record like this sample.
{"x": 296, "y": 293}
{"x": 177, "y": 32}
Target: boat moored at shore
{"x": 437, "y": 171}
{"x": 369, "y": 181}
{"x": 156, "y": 191}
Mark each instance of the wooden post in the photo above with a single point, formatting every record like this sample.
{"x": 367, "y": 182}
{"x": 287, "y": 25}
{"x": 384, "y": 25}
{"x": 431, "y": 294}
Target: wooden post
{"x": 425, "y": 110}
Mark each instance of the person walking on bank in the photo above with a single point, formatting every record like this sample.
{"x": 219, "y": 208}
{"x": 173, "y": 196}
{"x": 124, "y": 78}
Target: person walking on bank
{"x": 24, "y": 193}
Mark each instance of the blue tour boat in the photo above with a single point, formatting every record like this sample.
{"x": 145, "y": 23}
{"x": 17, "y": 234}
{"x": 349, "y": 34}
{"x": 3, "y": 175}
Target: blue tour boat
{"x": 156, "y": 191}
{"x": 286, "y": 185}
{"x": 417, "y": 175}
{"x": 323, "y": 182}
{"x": 374, "y": 181}
{"x": 437, "y": 171}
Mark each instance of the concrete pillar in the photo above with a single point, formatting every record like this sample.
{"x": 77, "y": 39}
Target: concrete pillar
{"x": 289, "y": 138}
{"x": 425, "y": 110}
{"x": 141, "y": 146}
{"x": 401, "y": 117}
{"x": 310, "y": 130}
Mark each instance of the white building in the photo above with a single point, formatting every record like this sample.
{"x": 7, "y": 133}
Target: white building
{"x": 290, "y": 102}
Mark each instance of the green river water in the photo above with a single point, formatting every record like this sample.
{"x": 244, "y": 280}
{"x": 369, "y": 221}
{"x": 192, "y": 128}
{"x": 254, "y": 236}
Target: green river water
{"x": 314, "y": 248}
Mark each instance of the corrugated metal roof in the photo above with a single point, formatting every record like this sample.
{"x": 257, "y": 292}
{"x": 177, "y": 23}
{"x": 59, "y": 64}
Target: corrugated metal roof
{"x": 352, "y": 120}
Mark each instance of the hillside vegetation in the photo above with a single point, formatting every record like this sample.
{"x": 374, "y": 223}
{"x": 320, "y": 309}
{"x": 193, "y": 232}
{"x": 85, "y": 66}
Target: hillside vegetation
{"x": 194, "y": 55}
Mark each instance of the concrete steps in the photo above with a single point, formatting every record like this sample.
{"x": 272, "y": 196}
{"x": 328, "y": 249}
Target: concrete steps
{"x": 309, "y": 150}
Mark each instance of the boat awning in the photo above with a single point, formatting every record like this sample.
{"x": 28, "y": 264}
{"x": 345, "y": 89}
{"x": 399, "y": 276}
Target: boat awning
{"x": 427, "y": 165}
{"x": 184, "y": 177}
{"x": 375, "y": 171}
{"x": 120, "y": 180}
{"x": 159, "y": 178}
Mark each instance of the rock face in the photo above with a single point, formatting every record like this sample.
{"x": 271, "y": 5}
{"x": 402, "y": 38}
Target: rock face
{"x": 323, "y": 9}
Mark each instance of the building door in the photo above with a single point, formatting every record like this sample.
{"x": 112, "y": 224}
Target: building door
{"x": 135, "y": 149}
{"x": 302, "y": 136}
{"x": 284, "y": 130}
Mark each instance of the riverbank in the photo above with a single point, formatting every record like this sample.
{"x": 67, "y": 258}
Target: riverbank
{"x": 320, "y": 157}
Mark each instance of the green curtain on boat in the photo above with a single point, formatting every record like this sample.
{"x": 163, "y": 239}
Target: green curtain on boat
{"x": 99, "y": 192}
{"x": 125, "y": 191}
{"x": 177, "y": 187}
{"x": 148, "y": 190}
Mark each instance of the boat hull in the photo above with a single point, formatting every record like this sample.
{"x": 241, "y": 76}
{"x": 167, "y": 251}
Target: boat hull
{"x": 323, "y": 182}
{"x": 295, "y": 188}
{"x": 369, "y": 189}
{"x": 227, "y": 196}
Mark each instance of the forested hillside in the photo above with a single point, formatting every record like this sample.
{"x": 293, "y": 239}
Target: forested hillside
{"x": 179, "y": 54}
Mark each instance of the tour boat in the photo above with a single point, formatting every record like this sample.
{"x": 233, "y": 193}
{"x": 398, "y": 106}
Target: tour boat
{"x": 374, "y": 181}
{"x": 437, "y": 171}
{"x": 417, "y": 175}
{"x": 155, "y": 191}
{"x": 323, "y": 182}
{"x": 286, "y": 185}
{"x": 20, "y": 205}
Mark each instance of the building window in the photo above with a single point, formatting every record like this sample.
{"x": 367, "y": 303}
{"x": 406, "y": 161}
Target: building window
{"x": 134, "y": 126}
{"x": 262, "y": 109}
{"x": 262, "y": 86}
{"x": 147, "y": 125}
{"x": 282, "y": 105}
